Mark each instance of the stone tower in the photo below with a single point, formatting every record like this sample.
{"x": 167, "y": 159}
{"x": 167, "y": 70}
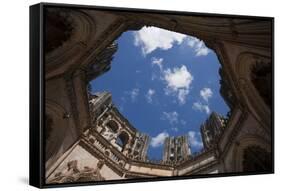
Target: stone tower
{"x": 140, "y": 146}
{"x": 99, "y": 103}
{"x": 211, "y": 129}
{"x": 115, "y": 128}
{"x": 176, "y": 149}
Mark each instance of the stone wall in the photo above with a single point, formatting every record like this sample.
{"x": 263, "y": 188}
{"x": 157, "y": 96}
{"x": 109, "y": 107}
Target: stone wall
{"x": 238, "y": 43}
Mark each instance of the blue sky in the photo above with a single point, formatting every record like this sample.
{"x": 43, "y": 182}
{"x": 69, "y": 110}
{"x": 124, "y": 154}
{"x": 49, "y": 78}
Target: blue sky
{"x": 165, "y": 84}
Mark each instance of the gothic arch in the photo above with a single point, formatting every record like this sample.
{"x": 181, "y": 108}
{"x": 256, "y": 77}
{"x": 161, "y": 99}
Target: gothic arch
{"x": 123, "y": 139}
{"x": 113, "y": 125}
{"x": 241, "y": 146}
{"x": 213, "y": 33}
{"x": 246, "y": 62}
{"x": 83, "y": 30}
{"x": 194, "y": 27}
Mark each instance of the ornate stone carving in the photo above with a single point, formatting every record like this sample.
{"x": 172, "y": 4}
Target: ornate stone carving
{"x": 212, "y": 129}
{"x": 80, "y": 54}
{"x": 176, "y": 150}
{"x": 74, "y": 174}
{"x": 59, "y": 28}
{"x": 101, "y": 63}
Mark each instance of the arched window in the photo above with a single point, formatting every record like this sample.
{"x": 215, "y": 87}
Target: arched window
{"x": 122, "y": 140}
{"x": 256, "y": 159}
{"x": 113, "y": 126}
{"x": 261, "y": 77}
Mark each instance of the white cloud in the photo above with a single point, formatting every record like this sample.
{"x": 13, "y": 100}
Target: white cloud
{"x": 152, "y": 38}
{"x": 206, "y": 93}
{"x": 158, "y": 62}
{"x": 191, "y": 41}
{"x": 172, "y": 117}
{"x": 178, "y": 78}
{"x": 134, "y": 94}
{"x": 149, "y": 95}
{"x": 194, "y": 139}
{"x": 201, "y": 49}
{"x": 201, "y": 107}
{"x": 182, "y": 93}
{"x": 198, "y": 46}
{"x": 159, "y": 139}
{"x": 178, "y": 81}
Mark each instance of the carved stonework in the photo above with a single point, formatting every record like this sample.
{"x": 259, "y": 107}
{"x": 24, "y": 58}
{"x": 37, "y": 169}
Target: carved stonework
{"x": 116, "y": 129}
{"x": 101, "y": 63}
{"x": 59, "y": 28}
{"x": 83, "y": 50}
{"x": 225, "y": 90}
{"x": 176, "y": 150}
{"x": 212, "y": 129}
{"x": 73, "y": 174}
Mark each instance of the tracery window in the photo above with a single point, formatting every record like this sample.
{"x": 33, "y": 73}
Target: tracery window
{"x": 122, "y": 140}
{"x": 113, "y": 126}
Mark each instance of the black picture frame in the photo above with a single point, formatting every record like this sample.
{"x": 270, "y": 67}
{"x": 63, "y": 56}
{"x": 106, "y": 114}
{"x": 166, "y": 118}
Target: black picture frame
{"x": 37, "y": 93}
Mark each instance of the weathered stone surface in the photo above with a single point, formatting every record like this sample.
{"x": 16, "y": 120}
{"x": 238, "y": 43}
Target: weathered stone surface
{"x": 89, "y": 140}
